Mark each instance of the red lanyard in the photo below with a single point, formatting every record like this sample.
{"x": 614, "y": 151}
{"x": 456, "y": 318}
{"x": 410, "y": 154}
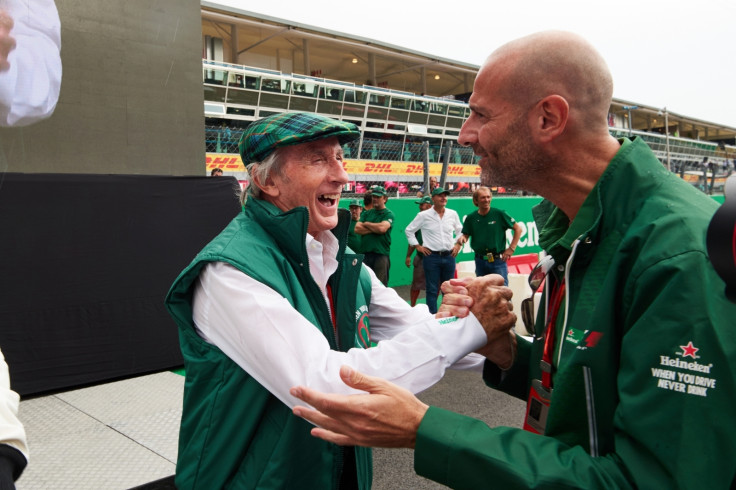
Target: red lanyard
{"x": 556, "y": 296}
{"x": 332, "y": 311}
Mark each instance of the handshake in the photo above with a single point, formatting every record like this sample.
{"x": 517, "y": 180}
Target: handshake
{"x": 490, "y": 301}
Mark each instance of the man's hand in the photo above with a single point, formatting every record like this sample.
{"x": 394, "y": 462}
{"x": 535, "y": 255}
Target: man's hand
{"x": 408, "y": 261}
{"x": 423, "y": 250}
{"x": 456, "y": 249}
{"x": 492, "y": 307}
{"x": 388, "y": 416}
{"x": 7, "y": 42}
{"x": 506, "y": 254}
{"x": 455, "y": 298}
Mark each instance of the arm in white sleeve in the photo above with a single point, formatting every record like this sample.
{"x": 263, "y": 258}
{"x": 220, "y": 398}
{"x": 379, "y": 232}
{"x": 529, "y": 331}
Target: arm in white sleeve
{"x": 413, "y": 227}
{"x": 12, "y": 432}
{"x": 458, "y": 226}
{"x": 391, "y": 315}
{"x": 259, "y": 330}
{"x": 29, "y": 89}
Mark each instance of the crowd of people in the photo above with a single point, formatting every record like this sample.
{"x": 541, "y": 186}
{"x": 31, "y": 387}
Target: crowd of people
{"x": 434, "y": 261}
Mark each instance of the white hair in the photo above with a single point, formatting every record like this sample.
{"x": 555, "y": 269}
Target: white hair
{"x": 261, "y": 171}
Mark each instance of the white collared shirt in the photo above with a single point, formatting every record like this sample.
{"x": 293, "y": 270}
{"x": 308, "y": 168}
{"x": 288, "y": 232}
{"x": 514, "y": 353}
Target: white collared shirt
{"x": 437, "y": 232}
{"x": 258, "y": 329}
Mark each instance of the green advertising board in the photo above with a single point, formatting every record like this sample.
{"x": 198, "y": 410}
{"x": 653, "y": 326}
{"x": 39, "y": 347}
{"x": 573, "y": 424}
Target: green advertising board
{"x": 405, "y": 209}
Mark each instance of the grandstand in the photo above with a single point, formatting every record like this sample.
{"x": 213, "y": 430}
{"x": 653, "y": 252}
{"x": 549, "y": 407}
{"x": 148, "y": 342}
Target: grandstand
{"x": 256, "y": 65}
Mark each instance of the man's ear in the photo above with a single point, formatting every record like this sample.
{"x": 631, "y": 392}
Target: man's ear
{"x": 268, "y": 187}
{"x": 550, "y": 118}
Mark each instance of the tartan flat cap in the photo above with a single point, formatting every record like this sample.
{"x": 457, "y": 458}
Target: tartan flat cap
{"x": 292, "y": 128}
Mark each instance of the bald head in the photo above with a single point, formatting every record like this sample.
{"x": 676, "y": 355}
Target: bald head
{"x": 555, "y": 62}
{"x": 538, "y": 117}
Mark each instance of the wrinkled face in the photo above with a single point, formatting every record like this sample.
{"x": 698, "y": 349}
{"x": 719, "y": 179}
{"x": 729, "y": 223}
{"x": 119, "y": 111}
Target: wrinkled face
{"x": 355, "y": 212}
{"x": 379, "y": 202}
{"x": 499, "y": 134}
{"x": 312, "y": 176}
{"x": 432, "y": 182}
{"x": 440, "y": 200}
{"x": 484, "y": 200}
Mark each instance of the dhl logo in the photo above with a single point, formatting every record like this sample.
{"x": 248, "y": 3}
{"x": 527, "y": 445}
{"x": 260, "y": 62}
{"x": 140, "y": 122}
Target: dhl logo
{"x": 225, "y": 162}
{"x": 233, "y": 163}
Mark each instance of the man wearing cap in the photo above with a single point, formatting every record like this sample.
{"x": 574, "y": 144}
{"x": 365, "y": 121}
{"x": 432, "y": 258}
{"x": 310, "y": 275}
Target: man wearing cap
{"x": 277, "y": 300}
{"x": 437, "y": 224}
{"x": 418, "y": 281}
{"x": 375, "y": 228}
{"x": 353, "y": 238}
{"x": 487, "y": 228}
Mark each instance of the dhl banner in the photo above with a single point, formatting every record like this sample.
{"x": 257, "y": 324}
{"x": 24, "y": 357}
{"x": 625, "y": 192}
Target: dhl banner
{"x": 233, "y": 163}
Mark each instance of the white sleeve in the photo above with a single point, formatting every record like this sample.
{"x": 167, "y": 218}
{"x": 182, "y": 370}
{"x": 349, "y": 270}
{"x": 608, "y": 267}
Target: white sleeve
{"x": 29, "y": 89}
{"x": 390, "y": 315}
{"x": 12, "y": 432}
{"x": 259, "y": 330}
{"x": 458, "y": 225}
{"x": 410, "y": 230}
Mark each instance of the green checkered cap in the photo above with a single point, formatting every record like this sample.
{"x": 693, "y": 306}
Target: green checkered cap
{"x": 267, "y": 134}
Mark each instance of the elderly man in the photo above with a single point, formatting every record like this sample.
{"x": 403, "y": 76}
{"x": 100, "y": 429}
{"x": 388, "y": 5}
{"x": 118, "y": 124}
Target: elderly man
{"x": 633, "y": 365}
{"x": 439, "y": 226}
{"x": 375, "y": 229}
{"x": 487, "y": 228}
{"x": 276, "y": 300}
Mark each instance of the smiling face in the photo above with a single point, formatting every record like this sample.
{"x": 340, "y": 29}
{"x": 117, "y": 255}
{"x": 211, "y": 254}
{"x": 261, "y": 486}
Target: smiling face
{"x": 440, "y": 201}
{"x": 310, "y": 175}
{"x": 483, "y": 200}
{"x": 499, "y": 133}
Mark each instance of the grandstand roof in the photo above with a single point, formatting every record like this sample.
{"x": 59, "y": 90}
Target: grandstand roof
{"x": 261, "y": 41}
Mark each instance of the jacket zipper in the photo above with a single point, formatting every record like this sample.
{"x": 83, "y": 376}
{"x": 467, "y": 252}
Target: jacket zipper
{"x": 587, "y": 376}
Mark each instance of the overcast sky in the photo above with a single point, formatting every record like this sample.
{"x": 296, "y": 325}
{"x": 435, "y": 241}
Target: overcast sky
{"x": 677, "y": 54}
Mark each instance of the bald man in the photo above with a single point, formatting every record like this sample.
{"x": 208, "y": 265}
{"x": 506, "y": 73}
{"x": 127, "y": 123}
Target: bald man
{"x": 631, "y": 376}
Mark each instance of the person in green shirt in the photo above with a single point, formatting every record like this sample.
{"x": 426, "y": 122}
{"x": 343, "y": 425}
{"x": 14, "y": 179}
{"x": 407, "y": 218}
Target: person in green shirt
{"x": 353, "y": 238}
{"x": 487, "y": 227}
{"x": 630, "y": 378}
{"x": 375, "y": 228}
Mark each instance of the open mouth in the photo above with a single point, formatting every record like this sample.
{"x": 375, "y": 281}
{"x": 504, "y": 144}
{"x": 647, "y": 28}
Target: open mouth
{"x": 328, "y": 199}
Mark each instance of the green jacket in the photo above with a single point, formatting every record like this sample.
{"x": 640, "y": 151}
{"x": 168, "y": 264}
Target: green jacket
{"x": 234, "y": 433}
{"x": 634, "y": 405}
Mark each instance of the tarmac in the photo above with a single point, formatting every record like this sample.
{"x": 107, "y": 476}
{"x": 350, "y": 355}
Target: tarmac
{"x": 123, "y": 434}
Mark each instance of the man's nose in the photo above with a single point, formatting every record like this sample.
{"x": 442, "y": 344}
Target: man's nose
{"x": 468, "y": 134}
{"x": 337, "y": 171}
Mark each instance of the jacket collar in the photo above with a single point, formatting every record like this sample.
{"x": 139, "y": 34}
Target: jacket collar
{"x": 289, "y": 228}
{"x": 633, "y": 165}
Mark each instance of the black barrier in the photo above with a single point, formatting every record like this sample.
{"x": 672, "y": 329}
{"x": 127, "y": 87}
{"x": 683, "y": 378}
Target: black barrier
{"x": 722, "y": 239}
{"x": 85, "y": 264}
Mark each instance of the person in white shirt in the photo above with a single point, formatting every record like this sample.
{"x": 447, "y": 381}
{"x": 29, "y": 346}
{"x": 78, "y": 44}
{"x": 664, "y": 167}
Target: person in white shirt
{"x": 267, "y": 301}
{"x": 30, "y": 61}
{"x": 439, "y": 226}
